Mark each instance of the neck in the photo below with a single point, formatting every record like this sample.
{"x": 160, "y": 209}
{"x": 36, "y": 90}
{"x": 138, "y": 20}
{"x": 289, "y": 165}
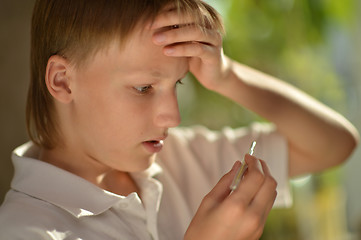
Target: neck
{"x": 118, "y": 182}
{"x": 104, "y": 177}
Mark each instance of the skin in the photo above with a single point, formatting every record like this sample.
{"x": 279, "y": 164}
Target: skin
{"x": 121, "y": 98}
{"x": 105, "y": 119}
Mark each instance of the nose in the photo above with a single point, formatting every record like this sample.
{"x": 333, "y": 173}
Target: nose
{"x": 167, "y": 111}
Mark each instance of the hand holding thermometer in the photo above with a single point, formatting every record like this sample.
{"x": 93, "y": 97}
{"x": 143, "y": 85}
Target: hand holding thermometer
{"x": 242, "y": 169}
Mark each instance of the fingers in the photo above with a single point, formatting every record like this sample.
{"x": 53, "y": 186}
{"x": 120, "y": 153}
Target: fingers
{"x": 250, "y": 184}
{"x": 237, "y": 205}
{"x": 187, "y": 33}
{"x": 173, "y": 17}
{"x": 181, "y": 37}
{"x": 249, "y": 205}
{"x": 240, "y": 215}
{"x": 193, "y": 49}
{"x": 206, "y": 224}
{"x": 189, "y": 41}
{"x": 170, "y": 18}
{"x": 267, "y": 193}
{"x": 221, "y": 189}
{"x": 268, "y": 189}
{"x": 262, "y": 203}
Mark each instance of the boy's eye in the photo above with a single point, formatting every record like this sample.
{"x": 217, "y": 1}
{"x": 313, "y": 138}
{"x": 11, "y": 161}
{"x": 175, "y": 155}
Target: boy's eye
{"x": 143, "y": 89}
{"x": 147, "y": 88}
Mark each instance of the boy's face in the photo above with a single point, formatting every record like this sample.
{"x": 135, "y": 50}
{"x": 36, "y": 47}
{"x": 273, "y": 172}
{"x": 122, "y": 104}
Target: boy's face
{"x": 124, "y": 100}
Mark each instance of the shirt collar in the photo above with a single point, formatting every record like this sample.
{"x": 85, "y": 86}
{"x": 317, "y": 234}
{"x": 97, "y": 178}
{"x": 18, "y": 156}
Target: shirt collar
{"x": 61, "y": 188}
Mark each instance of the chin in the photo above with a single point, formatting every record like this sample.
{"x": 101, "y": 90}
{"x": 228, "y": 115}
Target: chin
{"x": 143, "y": 164}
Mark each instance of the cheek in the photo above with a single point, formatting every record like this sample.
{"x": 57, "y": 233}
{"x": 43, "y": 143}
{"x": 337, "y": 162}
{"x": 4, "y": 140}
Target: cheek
{"x": 111, "y": 110}
{"x": 117, "y": 117}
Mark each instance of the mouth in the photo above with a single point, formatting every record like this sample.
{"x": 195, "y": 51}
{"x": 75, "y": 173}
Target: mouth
{"x": 153, "y": 146}
{"x": 156, "y": 143}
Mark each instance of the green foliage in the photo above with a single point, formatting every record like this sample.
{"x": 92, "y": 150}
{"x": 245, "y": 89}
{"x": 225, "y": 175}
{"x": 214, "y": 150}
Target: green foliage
{"x": 288, "y": 39}
{"x": 285, "y": 38}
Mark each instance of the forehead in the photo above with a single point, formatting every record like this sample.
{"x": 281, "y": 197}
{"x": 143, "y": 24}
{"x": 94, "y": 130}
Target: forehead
{"x": 140, "y": 55}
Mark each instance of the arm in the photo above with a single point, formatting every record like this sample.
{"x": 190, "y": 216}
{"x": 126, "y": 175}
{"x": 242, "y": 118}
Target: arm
{"x": 318, "y": 136}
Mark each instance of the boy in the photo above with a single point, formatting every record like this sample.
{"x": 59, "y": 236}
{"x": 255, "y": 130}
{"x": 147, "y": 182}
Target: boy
{"x": 102, "y": 163}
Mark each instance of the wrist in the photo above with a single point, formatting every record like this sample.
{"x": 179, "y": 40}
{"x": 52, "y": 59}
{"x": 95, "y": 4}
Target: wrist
{"x": 225, "y": 76}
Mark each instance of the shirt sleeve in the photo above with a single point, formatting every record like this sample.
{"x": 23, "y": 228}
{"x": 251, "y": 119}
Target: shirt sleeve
{"x": 197, "y": 157}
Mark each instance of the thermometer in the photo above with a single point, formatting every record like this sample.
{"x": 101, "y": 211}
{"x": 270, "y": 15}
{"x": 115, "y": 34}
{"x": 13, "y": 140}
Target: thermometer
{"x": 242, "y": 169}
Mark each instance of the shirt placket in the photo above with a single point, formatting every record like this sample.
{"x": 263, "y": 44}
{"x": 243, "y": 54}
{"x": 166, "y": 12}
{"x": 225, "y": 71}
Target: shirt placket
{"x": 151, "y": 190}
{"x": 131, "y": 210}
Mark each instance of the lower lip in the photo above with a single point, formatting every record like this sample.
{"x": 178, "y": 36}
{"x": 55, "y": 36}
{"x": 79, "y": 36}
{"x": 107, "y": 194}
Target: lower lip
{"x": 153, "y": 147}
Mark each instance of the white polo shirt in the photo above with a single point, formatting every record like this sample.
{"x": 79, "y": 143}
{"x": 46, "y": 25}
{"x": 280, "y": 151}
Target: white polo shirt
{"x": 46, "y": 202}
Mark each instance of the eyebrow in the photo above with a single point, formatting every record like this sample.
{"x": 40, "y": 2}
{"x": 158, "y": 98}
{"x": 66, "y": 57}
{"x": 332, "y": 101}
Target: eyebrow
{"x": 156, "y": 74}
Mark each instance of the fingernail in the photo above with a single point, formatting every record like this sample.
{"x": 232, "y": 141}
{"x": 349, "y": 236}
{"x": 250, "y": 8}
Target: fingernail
{"x": 159, "y": 38}
{"x": 235, "y": 165}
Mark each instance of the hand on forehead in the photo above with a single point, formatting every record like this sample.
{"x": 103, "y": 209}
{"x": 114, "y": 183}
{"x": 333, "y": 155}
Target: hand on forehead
{"x": 179, "y": 26}
{"x": 171, "y": 19}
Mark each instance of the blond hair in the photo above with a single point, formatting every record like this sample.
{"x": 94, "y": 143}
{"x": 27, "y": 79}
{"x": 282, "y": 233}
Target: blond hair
{"x": 76, "y": 30}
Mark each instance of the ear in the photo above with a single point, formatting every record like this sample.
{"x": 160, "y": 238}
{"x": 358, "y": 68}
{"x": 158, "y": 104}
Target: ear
{"x": 57, "y": 78}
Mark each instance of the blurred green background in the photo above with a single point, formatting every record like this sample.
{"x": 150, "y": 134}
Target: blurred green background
{"x": 313, "y": 44}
